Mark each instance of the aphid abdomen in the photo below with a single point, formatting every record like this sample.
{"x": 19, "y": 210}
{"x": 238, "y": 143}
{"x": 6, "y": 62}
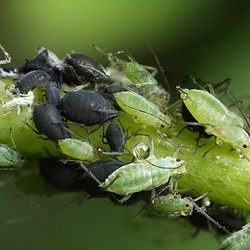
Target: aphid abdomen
{"x": 129, "y": 179}
{"x": 48, "y": 121}
{"x": 115, "y": 137}
{"x": 87, "y": 107}
{"x": 141, "y": 109}
{"x": 53, "y": 94}
{"x": 29, "y": 81}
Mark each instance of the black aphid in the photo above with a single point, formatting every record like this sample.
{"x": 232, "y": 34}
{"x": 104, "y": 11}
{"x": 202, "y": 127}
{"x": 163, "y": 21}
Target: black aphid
{"x": 87, "y": 107}
{"x": 115, "y": 137}
{"x": 53, "y": 94}
{"x": 48, "y": 121}
{"x": 85, "y": 69}
{"x": 29, "y": 81}
{"x": 101, "y": 170}
{"x": 64, "y": 176}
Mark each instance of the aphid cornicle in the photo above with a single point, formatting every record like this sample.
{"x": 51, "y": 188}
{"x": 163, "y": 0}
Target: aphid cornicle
{"x": 172, "y": 204}
{"x": 64, "y": 176}
{"x": 142, "y": 110}
{"x": 84, "y": 68}
{"x": 144, "y": 174}
{"x": 35, "y": 78}
{"x": 216, "y": 118}
{"x": 49, "y": 121}
{"x": 80, "y": 150}
{"x": 115, "y": 137}
{"x": 87, "y": 107}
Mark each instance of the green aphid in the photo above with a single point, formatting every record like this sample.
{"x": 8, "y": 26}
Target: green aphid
{"x": 173, "y": 204}
{"x": 238, "y": 241}
{"x": 137, "y": 74}
{"x": 80, "y": 150}
{"x": 10, "y": 157}
{"x": 142, "y": 110}
{"x": 143, "y": 174}
{"x": 216, "y": 118}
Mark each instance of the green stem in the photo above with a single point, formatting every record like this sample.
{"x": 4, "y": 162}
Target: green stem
{"x": 221, "y": 172}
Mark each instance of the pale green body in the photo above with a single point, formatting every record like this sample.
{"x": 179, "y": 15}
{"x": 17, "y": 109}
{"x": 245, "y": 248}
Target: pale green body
{"x": 214, "y": 115}
{"x": 173, "y": 204}
{"x": 238, "y": 241}
{"x": 77, "y": 149}
{"x": 9, "y": 157}
{"x": 141, "y": 109}
{"x": 142, "y": 175}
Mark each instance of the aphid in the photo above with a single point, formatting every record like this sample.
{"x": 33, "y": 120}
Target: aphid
{"x": 115, "y": 137}
{"x": 87, "y": 107}
{"x": 9, "y": 158}
{"x": 101, "y": 170}
{"x": 80, "y": 150}
{"x": 65, "y": 176}
{"x": 48, "y": 121}
{"x": 216, "y": 118}
{"x": 237, "y": 241}
{"x": 53, "y": 94}
{"x": 172, "y": 204}
{"x": 84, "y": 68}
{"x": 143, "y": 175}
{"x": 35, "y": 78}
{"x": 142, "y": 110}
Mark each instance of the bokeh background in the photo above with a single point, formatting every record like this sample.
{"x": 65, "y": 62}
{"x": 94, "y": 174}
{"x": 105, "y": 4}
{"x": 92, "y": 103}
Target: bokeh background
{"x": 208, "y": 39}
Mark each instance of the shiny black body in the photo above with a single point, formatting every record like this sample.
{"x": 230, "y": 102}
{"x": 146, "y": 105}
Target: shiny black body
{"x": 48, "y": 121}
{"x": 115, "y": 137}
{"x": 64, "y": 176}
{"x": 101, "y": 170}
{"x": 84, "y": 68}
{"x": 29, "y": 81}
{"x": 87, "y": 107}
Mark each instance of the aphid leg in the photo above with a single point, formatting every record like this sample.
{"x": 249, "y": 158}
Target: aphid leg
{"x": 6, "y": 55}
{"x": 201, "y": 211}
{"x": 76, "y": 124}
{"x": 209, "y": 150}
{"x": 35, "y": 131}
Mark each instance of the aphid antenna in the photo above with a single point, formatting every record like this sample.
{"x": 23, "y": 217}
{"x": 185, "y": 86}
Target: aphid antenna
{"x": 6, "y": 55}
{"x": 201, "y": 211}
{"x": 109, "y": 55}
{"x": 194, "y": 80}
{"x": 180, "y": 146}
{"x": 89, "y": 173}
{"x": 159, "y": 65}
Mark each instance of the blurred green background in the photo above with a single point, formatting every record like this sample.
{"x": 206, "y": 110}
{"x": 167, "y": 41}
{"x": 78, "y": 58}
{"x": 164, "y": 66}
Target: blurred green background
{"x": 208, "y": 39}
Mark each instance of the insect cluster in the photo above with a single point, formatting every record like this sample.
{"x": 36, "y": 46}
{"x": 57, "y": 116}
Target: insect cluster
{"x": 76, "y": 98}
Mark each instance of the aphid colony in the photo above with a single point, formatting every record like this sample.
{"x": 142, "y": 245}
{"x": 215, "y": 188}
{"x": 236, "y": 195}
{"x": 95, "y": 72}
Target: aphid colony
{"x": 99, "y": 100}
